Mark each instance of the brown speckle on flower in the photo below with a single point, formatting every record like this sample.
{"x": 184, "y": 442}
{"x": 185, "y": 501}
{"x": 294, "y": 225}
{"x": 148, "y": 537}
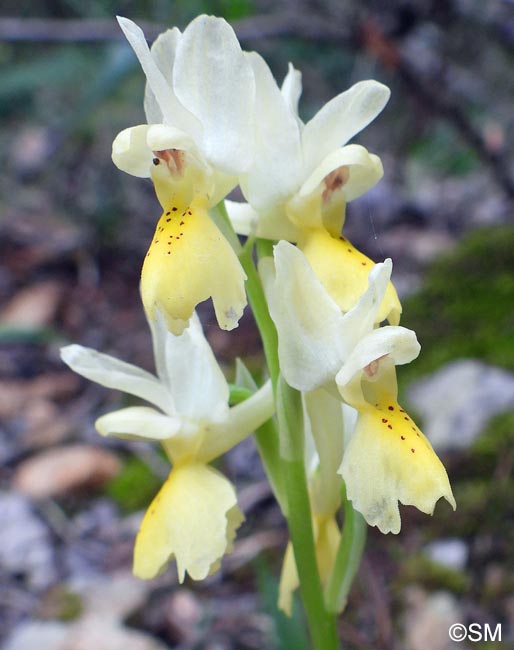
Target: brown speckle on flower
{"x": 334, "y": 181}
{"x": 174, "y": 159}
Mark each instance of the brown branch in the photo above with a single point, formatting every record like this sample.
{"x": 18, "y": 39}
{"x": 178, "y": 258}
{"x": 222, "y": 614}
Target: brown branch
{"x": 437, "y": 98}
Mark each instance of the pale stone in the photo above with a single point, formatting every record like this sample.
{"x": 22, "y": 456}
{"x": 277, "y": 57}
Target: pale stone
{"x": 113, "y": 597}
{"x": 25, "y": 544}
{"x": 41, "y": 635}
{"x": 87, "y": 634}
{"x": 457, "y": 402}
{"x": 428, "y": 619}
{"x": 58, "y": 471}
{"x": 33, "y": 307}
{"x": 451, "y": 553}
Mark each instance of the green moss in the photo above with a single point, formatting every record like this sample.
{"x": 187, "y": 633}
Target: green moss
{"x": 497, "y": 441}
{"x": 431, "y": 576}
{"x": 134, "y": 486}
{"x": 466, "y": 308}
{"x": 60, "y": 603}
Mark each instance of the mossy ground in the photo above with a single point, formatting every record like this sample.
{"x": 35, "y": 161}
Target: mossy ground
{"x": 466, "y": 307}
{"x": 134, "y": 486}
{"x": 466, "y": 310}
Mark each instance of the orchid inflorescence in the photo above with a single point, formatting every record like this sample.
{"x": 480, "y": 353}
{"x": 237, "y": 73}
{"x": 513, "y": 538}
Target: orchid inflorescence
{"x": 328, "y": 424}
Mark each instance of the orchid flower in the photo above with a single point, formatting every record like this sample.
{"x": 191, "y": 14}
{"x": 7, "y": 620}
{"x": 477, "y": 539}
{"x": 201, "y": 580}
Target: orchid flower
{"x": 195, "y": 514}
{"x": 387, "y": 459}
{"x": 199, "y": 103}
{"x": 314, "y": 176}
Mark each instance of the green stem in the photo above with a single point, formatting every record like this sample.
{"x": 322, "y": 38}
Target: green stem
{"x": 238, "y": 394}
{"x": 348, "y": 558}
{"x": 322, "y": 623}
{"x": 266, "y": 436}
{"x": 254, "y": 289}
{"x": 259, "y": 305}
{"x": 289, "y": 460}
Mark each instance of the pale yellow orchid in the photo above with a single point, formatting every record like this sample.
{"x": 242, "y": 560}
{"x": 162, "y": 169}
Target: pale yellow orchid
{"x": 195, "y": 515}
{"x": 387, "y": 460}
{"x": 199, "y": 104}
{"x": 302, "y": 177}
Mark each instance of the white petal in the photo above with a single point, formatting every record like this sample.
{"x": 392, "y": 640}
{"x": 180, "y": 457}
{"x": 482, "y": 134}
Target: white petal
{"x": 277, "y": 153}
{"x": 113, "y": 373}
{"x": 172, "y": 110}
{"x": 131, "y": 153}
{"x": 350, "y": 416}
{"x": 187, "y": 366}
{"x": 268, "y": 224}
{"x": 398, "y": 343}
{"x": 292, "y": 88}
{"x": 309, "y": 323}
{"x": 360, "y": 320}
{"x": 162, "y": 136}
{"x": 365, "y": 170}
{"x": 314, "y": 336}
{"x": 214, "y": 81}
{"x": 163, "y": 52}
{"x": 223, "y": 184}
{"x": 138, "y": 423}
{"x": 325, "y": 415}
{"x": 243, "y": 217}
{"x": 244, "y": 378}
{"x": 241, "y": 420}
{"x": 340, "y": 119}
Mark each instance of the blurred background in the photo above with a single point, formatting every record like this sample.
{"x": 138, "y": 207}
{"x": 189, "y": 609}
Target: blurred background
{"x": 73, "y": 233}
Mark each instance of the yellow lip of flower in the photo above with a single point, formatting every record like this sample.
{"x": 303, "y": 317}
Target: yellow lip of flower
{"x": 388, "y": 459}
{"x": 189, "y": 261}
{"x": 193, "y": 518}
{"x": 195, "y": 515}
{"x": 343, "y": 270}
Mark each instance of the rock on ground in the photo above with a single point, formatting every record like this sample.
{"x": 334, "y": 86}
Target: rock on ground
{"x": 55, "y": 472}
{"x": 458, "y": 401}
{"x": 25, "y": 544}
